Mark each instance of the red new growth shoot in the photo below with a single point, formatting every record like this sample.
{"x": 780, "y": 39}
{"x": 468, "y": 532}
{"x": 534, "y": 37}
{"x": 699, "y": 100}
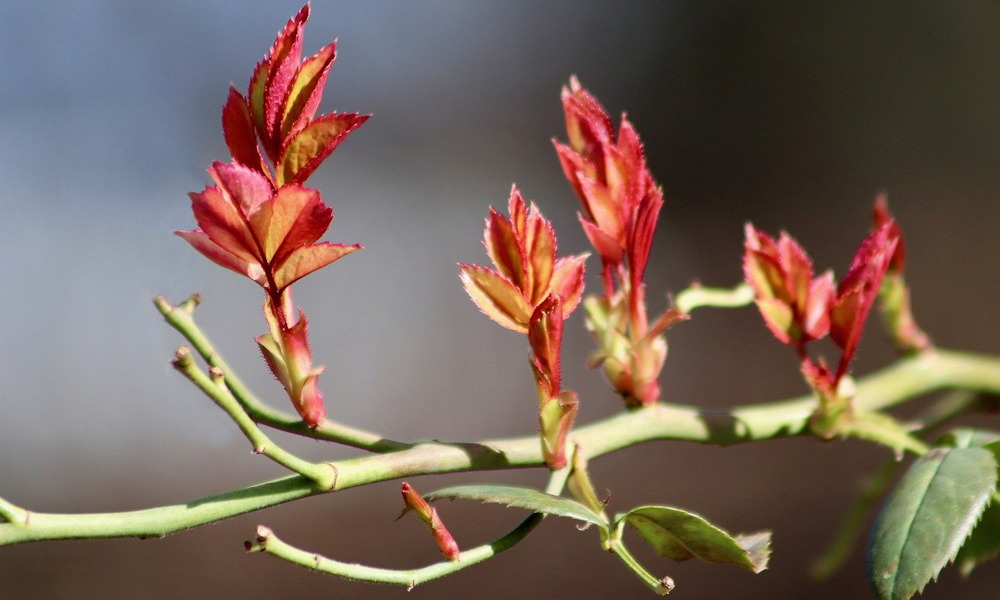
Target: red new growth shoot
{"x": 556, "y": 408}
{"x": 799, "y": 308}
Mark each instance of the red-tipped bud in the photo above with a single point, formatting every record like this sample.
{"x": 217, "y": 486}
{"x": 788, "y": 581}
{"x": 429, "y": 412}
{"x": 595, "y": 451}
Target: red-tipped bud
{"x": 906, "y": 335}
{"x": 882, "y": 217}
{"x": 428, "y": 514}
{"x": 555, "y": 420}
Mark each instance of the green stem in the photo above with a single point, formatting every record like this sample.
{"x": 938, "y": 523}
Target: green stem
{"x": 323, "y": 474}
{"x": 13, "y": 514}
{"x": 698, "y": 295}
{"x": 181, "y": 318}
{"x": 269, "y": 543}
{"x": 909, "y": 378}
{"x": 159, "y": 521}
{"x": 616, "y": 545}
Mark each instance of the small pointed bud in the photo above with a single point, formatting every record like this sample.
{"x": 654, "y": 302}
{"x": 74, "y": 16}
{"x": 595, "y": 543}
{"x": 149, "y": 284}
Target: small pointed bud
{"x": 580, "y": 485}
{"x": 897, "y": 313}
{"x": 555, "y": 422}
{"x": 429, "y": 515}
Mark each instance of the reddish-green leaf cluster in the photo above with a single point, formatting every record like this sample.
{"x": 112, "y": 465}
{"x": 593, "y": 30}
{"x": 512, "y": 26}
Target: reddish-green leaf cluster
{"x": 277, "y": 113}
{"x": 795, "y": 304}
{"x": 526, "y": 270}
{"x": 799, "y": 308}
{"x": 621, "y": 204}
{"x": 265, "y": 234}
{"x": 262, "y": 223}
{"x": 620, "y": 199}
{"x": 531, "y": 291}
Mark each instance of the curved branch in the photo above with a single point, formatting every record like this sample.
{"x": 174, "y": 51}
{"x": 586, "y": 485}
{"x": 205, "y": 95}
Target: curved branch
{"x": 269, "y": 543}
{"x": 181, "y": 318}
{"x": 215, "y": 388}
{"x": 908, "y": 378}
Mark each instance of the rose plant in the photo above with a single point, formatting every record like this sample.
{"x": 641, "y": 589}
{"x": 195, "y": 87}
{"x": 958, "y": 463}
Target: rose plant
{"x": 260, "y": 219}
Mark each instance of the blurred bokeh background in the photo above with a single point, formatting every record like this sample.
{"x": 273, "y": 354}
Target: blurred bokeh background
{"x": 792, "y": 115}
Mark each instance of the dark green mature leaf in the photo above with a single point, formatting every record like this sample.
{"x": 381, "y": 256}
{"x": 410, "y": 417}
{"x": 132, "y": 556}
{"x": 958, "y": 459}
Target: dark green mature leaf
{"x": 927, "y": 517}
{"x": 521, "y": 497}
{"x": 680, "y": 535}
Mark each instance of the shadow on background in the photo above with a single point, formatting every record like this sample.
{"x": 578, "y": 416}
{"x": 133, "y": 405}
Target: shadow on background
{"x": 791, "y": 115}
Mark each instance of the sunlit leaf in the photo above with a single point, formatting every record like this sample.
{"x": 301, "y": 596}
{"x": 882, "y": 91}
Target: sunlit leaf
{"x": 521, "y": 497}
{"x": 680, "y": 535}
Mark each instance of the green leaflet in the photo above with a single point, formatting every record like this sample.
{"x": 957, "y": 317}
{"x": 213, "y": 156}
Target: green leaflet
{"x": 928, "y": 516}
{"x": 984, "y": 541}
{"x": 983, "y": 544}
{"x": 521, "y": 497}
{"x": 680, "y": 535}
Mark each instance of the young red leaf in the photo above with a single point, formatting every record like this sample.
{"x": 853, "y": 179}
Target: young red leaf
{"x": 305, "y": 149}
{"x": 496, "y": 297}
{"x": 545, "y": 338}
{"x": 306, "y": 89}
{"x": 282, "y": 64}
{"x": 306, "y": 259}
{"x": 239, "y": 132}
{"x": 858, "y": 290}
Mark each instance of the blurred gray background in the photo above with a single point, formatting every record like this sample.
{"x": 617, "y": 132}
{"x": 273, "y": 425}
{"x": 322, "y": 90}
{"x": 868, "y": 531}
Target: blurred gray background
{"x": 793, "y": 115}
